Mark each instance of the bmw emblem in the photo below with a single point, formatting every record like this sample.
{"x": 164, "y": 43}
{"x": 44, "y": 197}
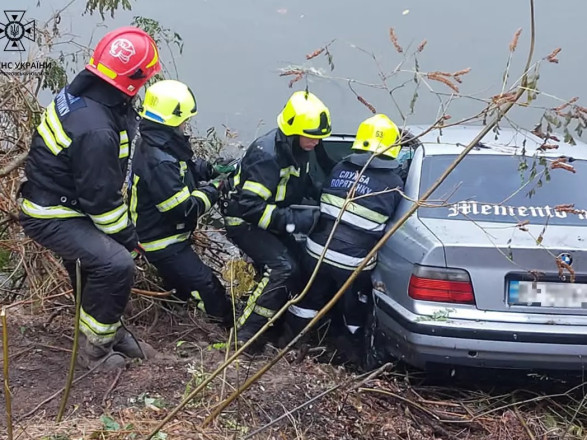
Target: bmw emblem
{"x": 566, "y": 258}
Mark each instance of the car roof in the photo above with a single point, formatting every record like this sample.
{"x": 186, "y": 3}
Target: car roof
{"x": 508, "y": 141}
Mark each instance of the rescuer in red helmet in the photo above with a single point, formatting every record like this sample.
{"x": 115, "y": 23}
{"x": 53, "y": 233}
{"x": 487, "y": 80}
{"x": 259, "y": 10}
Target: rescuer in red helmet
{"x": 72, "y": 201}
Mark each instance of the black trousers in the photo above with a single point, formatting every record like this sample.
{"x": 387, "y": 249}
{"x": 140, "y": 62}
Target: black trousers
{"x": 107, "y": 269}
{"x": 277, "y": 258}
{"x": 185, "y": 272}
{"x": 354, "y": 304}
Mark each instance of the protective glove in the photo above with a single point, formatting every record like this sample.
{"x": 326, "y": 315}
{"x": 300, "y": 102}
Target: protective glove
{"x": 301, "y": 221}
{"x": 204, "y": 169}
{"x": 223, "y": 166}
{"x": 139, "y": 252}
{"x": 220, "y": 184}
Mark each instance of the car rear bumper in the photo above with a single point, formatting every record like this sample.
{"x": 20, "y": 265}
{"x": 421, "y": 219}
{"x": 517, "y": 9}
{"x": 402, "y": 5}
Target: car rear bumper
{"x": 421, "y": 342}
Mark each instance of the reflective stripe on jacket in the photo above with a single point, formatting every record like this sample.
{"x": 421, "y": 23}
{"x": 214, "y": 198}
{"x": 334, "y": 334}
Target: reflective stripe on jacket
{"x": 363, "y": 220}
{"x": 272, "y": 175}
{"x": 78, "y": 158}
{"x": 165, "y": 197}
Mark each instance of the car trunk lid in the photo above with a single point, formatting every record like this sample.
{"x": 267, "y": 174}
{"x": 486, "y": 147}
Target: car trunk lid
{"x": 501, "y": 257}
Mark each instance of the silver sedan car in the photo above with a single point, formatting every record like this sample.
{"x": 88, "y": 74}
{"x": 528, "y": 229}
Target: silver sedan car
{"x": 492, "y": 272}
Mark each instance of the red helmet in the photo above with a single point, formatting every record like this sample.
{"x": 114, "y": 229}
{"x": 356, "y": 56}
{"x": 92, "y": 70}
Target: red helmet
{"x": 126, "y": 58}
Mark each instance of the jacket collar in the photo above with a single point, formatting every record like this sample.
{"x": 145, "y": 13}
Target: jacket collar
{"x": 288, "y": 147}
{"x": 88, "y": 85}
{"x": 166, "y": 138}
{"x": 360, "y": 159}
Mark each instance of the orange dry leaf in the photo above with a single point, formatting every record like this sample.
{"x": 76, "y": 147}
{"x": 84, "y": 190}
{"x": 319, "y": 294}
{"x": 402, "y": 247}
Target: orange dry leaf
{"x": 561, "y": 163}
{"x": 503, "y": 97}
{"x": 570, "y": 208}
{"x": 548, "y": 147}
{"x": 462, "y": 72}
{"x": 291, "y": 72}
{"x": 551, "y": 58}
{"x": 522, "y": 225}
{"x": 296, "y": 79}
{"x": 514, "y": 42}
{"x": 437, "y": 76}
{"x": 314, "y": 54}
{"x": 366, "y": 104}
{"x": 421, "y": 46}
{"x": 393, "y": 39}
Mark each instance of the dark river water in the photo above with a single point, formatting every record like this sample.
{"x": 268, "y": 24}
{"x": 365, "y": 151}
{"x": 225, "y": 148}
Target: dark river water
{"x": 234, "y": 51}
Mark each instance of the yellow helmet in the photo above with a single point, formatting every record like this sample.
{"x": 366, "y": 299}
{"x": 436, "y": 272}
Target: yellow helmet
{"x": 378, "y": 134}
{"x": 305, "y": 115}
{"x": 169, "y": 102}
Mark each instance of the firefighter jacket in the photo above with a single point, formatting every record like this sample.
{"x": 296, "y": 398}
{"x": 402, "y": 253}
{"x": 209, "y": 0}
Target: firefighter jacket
{"x": 363, "y": 221}
{"x": 78, "y": 158}
{"x": 272, "y": 175}
{"x": 165, "y": 199}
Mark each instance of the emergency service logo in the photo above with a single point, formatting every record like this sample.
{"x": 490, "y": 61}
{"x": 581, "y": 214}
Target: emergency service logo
{"x": 122, "y": 49}
{"x": 15, "y": 30}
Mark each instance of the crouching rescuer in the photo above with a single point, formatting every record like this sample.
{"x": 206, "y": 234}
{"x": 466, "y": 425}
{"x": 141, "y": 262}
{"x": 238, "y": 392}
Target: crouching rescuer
{"x": 361, "y": 225}
{"x": 260, "y": 218}
{"x": 166, "y": 199}
{"x": 72, "y": 201}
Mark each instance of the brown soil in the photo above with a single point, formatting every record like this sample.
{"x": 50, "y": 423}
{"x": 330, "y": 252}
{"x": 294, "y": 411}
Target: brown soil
{"x": 127, "y": 404}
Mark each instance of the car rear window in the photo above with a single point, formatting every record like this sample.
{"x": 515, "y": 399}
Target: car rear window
{"x": 497, "y": 188}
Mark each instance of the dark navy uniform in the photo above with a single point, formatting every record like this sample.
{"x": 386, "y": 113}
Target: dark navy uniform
{"x": 272, "y": 176}
{"x": 72, "y": 201}
{"x": 362, "y": 224}
{"x": 166, "y": 200}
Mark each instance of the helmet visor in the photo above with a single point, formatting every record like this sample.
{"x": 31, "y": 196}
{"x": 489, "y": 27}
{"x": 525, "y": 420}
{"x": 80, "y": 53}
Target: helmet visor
{"x": 323, "y": 129}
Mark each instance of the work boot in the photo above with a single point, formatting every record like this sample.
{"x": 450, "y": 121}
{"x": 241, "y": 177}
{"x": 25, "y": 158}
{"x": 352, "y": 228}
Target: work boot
{"x": 351, "y": 345}
{"x": 126, "y": 343}
{"x": 257, "y": 347}
{"x": 98, "y": 356}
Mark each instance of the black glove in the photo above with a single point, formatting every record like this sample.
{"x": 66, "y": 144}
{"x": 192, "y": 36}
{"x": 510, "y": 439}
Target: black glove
{"x": 301, "y": 221}
{"x": 203, "y": 169}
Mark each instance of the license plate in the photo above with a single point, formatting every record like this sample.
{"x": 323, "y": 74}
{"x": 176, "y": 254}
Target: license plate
{"x": 547, "y": 294}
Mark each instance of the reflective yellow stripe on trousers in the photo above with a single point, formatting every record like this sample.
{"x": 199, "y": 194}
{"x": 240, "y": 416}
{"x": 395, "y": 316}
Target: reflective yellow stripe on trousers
{"x": 97, "y": 332}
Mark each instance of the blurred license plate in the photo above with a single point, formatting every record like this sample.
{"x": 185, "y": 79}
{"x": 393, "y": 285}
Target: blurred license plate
{"x": 547, "y": 294}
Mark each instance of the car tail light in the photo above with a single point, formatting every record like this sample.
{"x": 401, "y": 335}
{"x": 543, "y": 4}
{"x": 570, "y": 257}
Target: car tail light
{"x": 441, "y": 285}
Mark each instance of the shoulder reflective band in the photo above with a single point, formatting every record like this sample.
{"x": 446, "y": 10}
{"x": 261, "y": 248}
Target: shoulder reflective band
{"x": 123, "y": 145}
{"x": 266, "y": 217}
{"x": 134, "y": 199}
{"x": 157, "y": 245}
{"x": 337, "y": 259}
{"x": 182, "y": 168}
{"x": 204, "y": 198}
{"x": 257, "y": 188}
{"x": 237, "y": 177}
{"x": 52, "y": 131}
{"x": 37, "y": 211}
{"x": 112, "y": 221}
{"x": 176, "y": 199}
{"x": 285, "y": 174}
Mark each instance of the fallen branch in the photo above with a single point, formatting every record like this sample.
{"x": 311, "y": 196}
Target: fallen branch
{"x": 14, "y": 164}
{"x": 7, "y": 392}
{"x": 78, "y": 302}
